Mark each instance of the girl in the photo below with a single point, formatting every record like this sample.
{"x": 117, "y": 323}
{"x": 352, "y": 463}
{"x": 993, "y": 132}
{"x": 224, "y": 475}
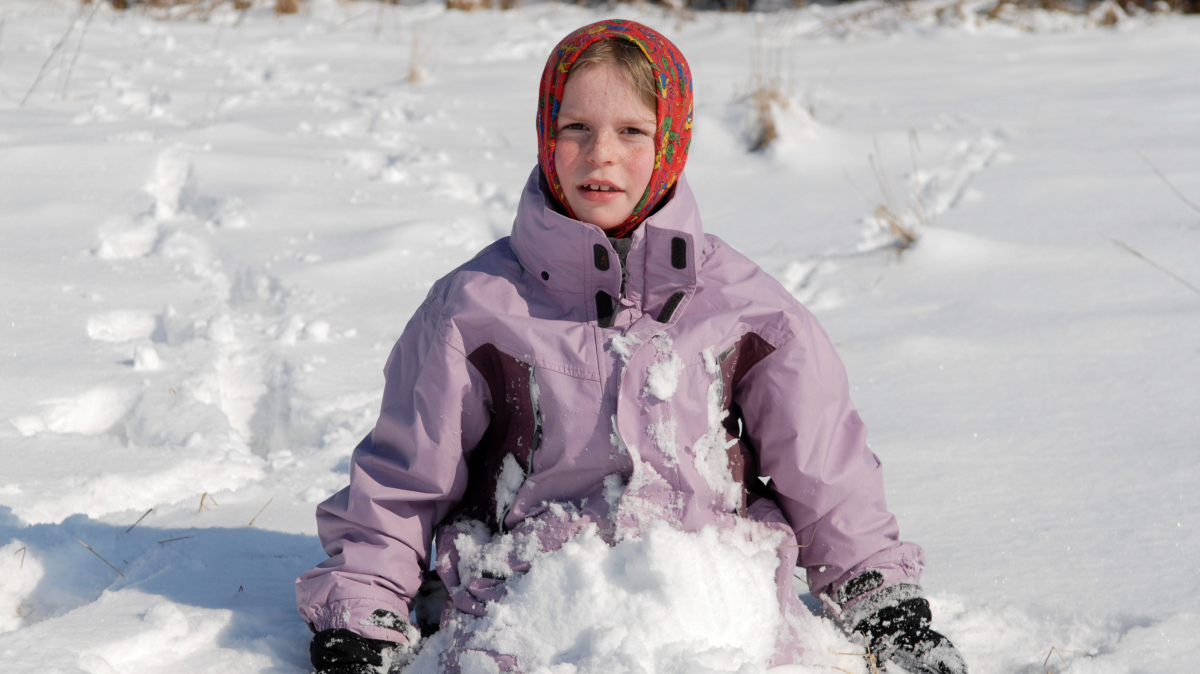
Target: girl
{"x": 609, "y": 365}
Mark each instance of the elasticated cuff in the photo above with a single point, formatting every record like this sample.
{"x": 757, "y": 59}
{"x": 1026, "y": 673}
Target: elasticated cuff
{"x": 358, "y": 616}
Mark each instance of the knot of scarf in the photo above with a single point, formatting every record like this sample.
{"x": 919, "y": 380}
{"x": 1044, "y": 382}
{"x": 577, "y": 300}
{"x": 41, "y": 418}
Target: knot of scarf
{"x": 673, "y": 133}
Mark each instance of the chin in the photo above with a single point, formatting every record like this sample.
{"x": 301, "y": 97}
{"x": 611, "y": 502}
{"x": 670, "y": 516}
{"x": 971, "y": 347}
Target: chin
{"x": 603, "y": 220}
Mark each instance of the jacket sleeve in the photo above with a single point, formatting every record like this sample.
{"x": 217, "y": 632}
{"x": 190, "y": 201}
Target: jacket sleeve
{"x": 405, "y": 477}
{"x": 796, "y": 407}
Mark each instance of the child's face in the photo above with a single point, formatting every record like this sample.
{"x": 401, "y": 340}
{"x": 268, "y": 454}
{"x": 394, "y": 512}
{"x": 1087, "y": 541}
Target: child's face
{"x": 604, "y": 152}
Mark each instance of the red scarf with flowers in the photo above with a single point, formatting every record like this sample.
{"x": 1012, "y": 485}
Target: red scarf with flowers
{"x": 673, "y": 135}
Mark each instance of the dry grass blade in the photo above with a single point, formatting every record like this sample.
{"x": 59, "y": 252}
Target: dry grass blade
{"x": 1055, "y": 650}
{"x": 78, "y": 48}
{"x": 903, "y": 235}
{"x": 22, "y": 551}
{"x": 877, "y": 171}
{"x": 765, "y": 95}
{"x": 287, "y": 6}
{"x": 1168, "y": 182}
{"x": 1132, "y": 251}
{"x": 210, "y": 499}
{"x": 810, "y": 538}
{"x": 260, "y": 511}
{"x": 203, "y": 9}
{"x": 350, "y": 19}
{"x": 243, "y": 7}
{"x": 417, "y": 72}
{"x": 177, "y": 538}
{"x": 102, "y": 559}
{"x": 139, "y": 520}
{"x": 42, "y": 73}
{"x": 869, "y": 657}
{"x": 768, "y": 132}
{"x": 468, "y": 5}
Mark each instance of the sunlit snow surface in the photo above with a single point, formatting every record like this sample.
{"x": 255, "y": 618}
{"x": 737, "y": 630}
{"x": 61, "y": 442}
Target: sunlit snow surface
{"x": 213, "y": 233}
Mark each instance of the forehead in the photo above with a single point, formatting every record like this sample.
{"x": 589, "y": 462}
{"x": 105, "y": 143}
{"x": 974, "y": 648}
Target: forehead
{"x": 602, "y": 88}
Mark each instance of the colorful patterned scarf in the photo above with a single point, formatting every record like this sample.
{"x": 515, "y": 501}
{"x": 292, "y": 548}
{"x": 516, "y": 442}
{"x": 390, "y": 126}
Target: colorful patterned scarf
{"x": 673, "y": 136}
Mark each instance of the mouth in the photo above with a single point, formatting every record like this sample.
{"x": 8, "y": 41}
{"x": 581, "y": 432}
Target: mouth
{"x": 599, "y": 191}
{"x": 599, "y": 187}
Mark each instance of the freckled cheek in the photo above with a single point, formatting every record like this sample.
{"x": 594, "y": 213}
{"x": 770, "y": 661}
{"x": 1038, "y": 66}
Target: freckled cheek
{"x": 640, "y": 166}
{"x": 565, "y": 155}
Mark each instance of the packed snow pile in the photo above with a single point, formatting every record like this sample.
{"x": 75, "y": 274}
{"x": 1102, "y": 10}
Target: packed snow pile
{"x": 215, "y": 230}
{"x": 665, "y": 602}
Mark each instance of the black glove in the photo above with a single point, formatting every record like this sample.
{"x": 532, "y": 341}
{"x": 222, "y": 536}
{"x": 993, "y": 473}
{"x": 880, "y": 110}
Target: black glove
{"x": 900, "y": 633}
{"x": 340, "y": 651}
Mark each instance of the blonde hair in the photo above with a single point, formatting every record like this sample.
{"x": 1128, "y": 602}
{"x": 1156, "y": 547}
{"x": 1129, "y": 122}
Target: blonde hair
{"x": 626, "y": 57}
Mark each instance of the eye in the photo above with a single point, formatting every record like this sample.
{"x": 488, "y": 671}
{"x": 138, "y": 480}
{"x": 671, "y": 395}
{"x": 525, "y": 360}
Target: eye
{"x": 635, "y": 131}
{"x": 574, "y": 126}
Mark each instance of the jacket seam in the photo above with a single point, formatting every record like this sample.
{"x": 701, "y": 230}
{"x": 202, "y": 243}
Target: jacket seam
{"x": 525, "y": 357}
{"x": 776, "y": 348}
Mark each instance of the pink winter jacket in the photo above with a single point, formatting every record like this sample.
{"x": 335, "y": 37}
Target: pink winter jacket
{"x": 529, "y": 389}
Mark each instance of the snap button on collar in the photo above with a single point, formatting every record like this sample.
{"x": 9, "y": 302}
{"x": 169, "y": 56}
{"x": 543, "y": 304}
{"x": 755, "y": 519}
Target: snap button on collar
{"x": 678, "y": 253}
{"x": 600, "y": 254}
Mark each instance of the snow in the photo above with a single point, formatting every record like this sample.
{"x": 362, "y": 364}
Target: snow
{"x": 613, "y": 488}
{"x": 662, "y": 378}
{"x": 215, "y": 231}
{"x": 711, "y": 449}
{"x": 121, "y": 326}
{"x": 512, "y": 476}
{"x": 479, "y": 552}
{"x": 711, "y": 365}
{"x": 663, "y": 435}
{"x": 624, "y": 345}
{"x": 664, "y": 602}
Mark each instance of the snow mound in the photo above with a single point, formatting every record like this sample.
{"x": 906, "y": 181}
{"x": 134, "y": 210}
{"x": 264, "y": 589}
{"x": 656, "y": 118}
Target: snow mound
{"x": 92, "y": 413}
{"x": 667, "y": 602}
{"x": 121, "y": 326}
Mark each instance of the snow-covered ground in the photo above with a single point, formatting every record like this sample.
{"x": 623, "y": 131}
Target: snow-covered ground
{"x": 214, "y": 231}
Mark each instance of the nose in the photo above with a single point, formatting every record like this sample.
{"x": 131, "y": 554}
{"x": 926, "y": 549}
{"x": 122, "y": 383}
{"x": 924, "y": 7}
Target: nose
{"x": 604, "y": 148}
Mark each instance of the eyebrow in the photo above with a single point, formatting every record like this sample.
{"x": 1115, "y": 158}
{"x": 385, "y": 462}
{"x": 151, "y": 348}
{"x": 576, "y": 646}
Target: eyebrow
{"x": 624, "y": 121}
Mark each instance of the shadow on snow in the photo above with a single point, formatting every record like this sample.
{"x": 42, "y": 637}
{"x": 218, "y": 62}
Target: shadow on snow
{"x": 247, "y": 571}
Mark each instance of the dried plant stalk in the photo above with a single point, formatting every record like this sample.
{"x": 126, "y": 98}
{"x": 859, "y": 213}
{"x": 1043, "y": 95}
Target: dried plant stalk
{"x": 260, "y": 511}
{"x": 139, "y": 520}
{"x": 102, "y": 559}
{"x": 42, "y": 73}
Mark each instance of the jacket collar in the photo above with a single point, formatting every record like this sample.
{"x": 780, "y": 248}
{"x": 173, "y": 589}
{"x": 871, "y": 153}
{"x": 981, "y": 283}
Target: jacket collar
{"x": 574, "y": 261}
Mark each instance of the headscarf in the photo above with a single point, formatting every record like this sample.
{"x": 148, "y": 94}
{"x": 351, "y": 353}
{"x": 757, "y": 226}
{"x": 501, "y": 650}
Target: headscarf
{"x": 673, "y": 135}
